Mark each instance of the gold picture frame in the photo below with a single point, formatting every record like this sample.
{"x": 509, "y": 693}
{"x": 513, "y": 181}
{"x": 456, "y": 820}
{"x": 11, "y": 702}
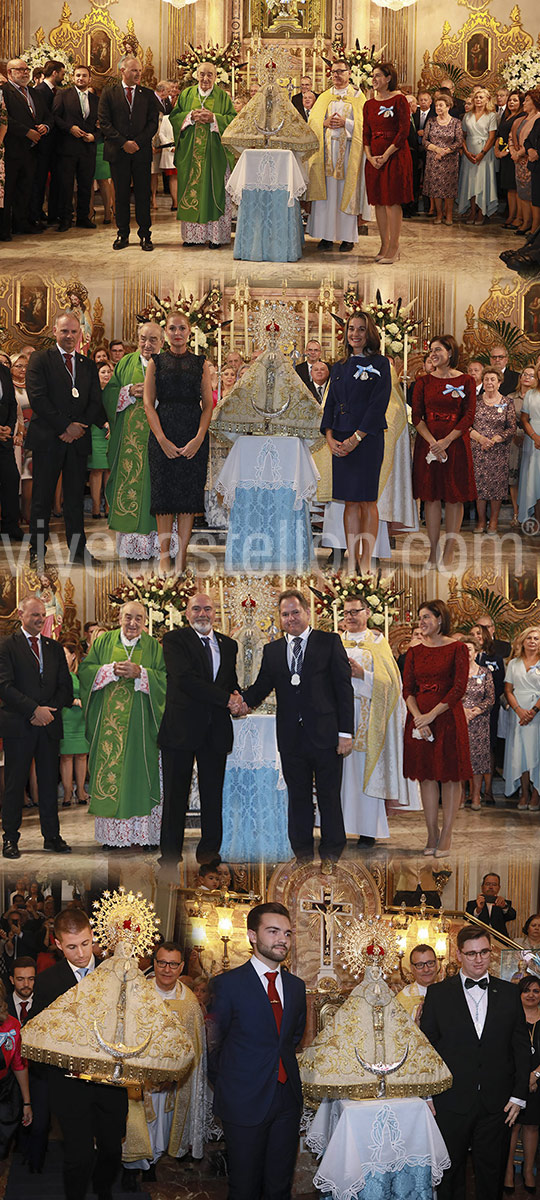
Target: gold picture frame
{"x": 530, "y": 312}
{"x": 32, "y": 305}
{"x": 99, "y": 50}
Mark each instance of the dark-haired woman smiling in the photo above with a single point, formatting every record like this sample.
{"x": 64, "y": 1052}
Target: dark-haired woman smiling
{"x": 354, "y": 422}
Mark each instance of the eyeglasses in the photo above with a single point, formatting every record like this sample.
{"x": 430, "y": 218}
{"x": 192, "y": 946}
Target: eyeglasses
{"x": 340, "y": 71}
{"x": 167, "y": 966}
{"x": 423, "y": 966}
{"x": 353, "y": 612}
{"x": 475, "y": 953}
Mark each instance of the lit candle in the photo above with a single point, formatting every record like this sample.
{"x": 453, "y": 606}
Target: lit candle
{"x": 320, "y": 323}
{"x": 232, "y": 326}
{"x": 303, "y": 60}
{"x": 405, "y": 358}
{"x": 246, "y": 331}
{"x": 232, "y": 83}
{"x": 311, "y": 605}
{"x": 323, "y": 75}
{"x": 219, "y": 349}
{"x": 150, "y": 621}
{"x": 383, "y": 340}
{"x": 222, "y": 606}
{"x": 333, "y": 336}
{"x": 386, "y": 622}
{"x": 335, "y": 606}
{"x": 196, "y": 339}
{"x": 306, "y": 323}
{"x": 248, "y": 77}
{"x": 170, "y": 616}
{"x": 314, "y": 74}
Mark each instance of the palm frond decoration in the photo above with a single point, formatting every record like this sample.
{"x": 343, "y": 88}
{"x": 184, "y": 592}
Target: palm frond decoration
{"x": 494, "y": 606}
{"x": 511, "y": 338}
{"x": 456, "y": 74}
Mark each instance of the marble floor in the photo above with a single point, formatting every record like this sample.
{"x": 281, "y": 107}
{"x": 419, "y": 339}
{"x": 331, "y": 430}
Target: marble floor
{"x": 436, "y": 250}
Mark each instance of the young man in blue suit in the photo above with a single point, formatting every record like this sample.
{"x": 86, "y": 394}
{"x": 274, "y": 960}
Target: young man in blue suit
{"x": 258, "y": 1016}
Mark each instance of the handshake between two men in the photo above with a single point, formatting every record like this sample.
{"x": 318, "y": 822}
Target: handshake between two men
{"x": 237, "y": 705}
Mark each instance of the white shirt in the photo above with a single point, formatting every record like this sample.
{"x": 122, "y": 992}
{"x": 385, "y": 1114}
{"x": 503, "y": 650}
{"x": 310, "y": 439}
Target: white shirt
{"x": 76, "y": 970}
{"x": 262, "y": 970}
{"x": 214, "y": 646}
{"x": 291, "y": 637}
{"x": 18, "y": 1000}
{"x": 477, "y": 1003}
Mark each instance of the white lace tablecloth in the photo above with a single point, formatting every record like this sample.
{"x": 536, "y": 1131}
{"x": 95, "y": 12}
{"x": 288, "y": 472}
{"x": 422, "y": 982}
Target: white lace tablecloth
{"x": 360, "y": 1138}
{"x": 255, "y": 744}
{"x": 267, "y": 171}
{"x": 269, "y": 463}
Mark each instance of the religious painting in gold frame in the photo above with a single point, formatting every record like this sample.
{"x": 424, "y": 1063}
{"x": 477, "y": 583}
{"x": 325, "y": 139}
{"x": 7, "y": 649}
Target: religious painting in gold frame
{"x": 99, "y": 51}
{"x": 32, "y": 305}
{"x": 479, "y": 49}
{"x": 478, "y": 55}
{"x": 530, "y": 312}
{"x": 287, "y": 18}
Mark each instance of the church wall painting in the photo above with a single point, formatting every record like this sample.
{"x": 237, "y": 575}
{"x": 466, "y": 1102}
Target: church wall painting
{"x": 32, "y": 305}
{"x": 530, "y": 322}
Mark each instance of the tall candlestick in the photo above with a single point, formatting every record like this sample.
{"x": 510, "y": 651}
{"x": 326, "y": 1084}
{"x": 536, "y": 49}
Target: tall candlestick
{"x": 150, "y": 621}
{"x": 311, "y": 605}
{"x": 306, "y": 323}
{"x": 303, "y": 60}
{"x": 386, "y": 622}
{"x": 383, "y": 340}
{"x": 170, "y": 616}
{"x": 333, "y": 335}
{"x": 196, "y": 334}
{"x": 323, "y": 75}
{"x": 405, "y": 360}
{"x": 283, "y": 583}
{"x": 232, "y": 83}
{"x": 222, "y": 606}
{"x": 246, "y": 332}
{"x": 335, "y": 607}
{"x": 219, "y": 348}
{"x": 232, "y": 326}
{"x": 320, "y": 323}
{"x": 248, "y": 76}
{"x": 314, "y": 74}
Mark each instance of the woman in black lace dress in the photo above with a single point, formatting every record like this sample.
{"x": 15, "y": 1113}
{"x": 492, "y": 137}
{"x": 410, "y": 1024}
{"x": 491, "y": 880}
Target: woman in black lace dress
{"x": 178, "y": 405}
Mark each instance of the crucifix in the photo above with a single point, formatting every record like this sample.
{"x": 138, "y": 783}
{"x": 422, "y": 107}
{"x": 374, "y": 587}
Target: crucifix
{"x": 328, "y": 909}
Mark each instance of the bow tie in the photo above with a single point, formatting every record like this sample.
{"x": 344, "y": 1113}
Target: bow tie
{"x": 481, "y": 983}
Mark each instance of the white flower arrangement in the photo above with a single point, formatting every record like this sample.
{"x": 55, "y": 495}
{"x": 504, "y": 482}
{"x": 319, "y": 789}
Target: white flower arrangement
{"x": 37, "y": 56}
{"x": 522, "y": 71}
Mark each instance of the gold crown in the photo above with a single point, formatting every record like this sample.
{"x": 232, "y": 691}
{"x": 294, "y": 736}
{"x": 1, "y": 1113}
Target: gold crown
{"x": 123, "y": 917}
{"x": 366, "y": 942}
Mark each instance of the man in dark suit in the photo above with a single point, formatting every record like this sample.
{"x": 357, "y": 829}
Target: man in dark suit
{"x": 9, "y": 474}
{"x": 458, "y": 105}
{"x": 298, "y": 98}
{"x": 65, "y": 398}
{"x": 313, "y": 355}
{"x": 35, "y": 685}
{"x": 86, "y": 1112}
{"x": 498, "y": 647}
{"x": 75, "y": 111}
{"x": 256, "y": 1021}
{"x": 27, "y": 124}
{"x": 490, "y": 907}
{"x": 311, "y": 675}
{"x": 498, "y": 358}
{"x": 32, "y": 1139}
{"x": 128, "y": 118}
{"x": 201, "y": 678}
{"x": 320, "y": 374}
{"x": 476, "y": 1023}
{"x": 47, "y": 150}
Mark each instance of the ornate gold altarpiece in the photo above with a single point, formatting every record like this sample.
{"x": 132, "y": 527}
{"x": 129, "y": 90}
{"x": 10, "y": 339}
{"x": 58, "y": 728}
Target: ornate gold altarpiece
{"x": 479, "y": 48}
{"x": 97, "y": 40}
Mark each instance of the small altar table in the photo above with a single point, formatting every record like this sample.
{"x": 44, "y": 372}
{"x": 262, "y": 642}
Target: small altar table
{"x": 267, "y": 482}
{"x": 266, "y": 185}
{"x": 383, "y": 1149}
{"x": 255, "y": 799}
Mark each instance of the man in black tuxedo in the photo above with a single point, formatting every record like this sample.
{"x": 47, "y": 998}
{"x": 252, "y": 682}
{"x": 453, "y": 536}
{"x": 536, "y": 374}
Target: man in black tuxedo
{"x": 32, "y": 1139}
{"x": 86, "y": 1112}
{"x": 28, "y": 123}
{"x": 75, "y": 111}
{"x": 9, "y": 473}
{"x": 201, "y": 678}
{"x": 498, "y": 358}
{"x": 35, "y": 685}
{"x": 128, "y": 118}
{"x": 311, "y": 675}
{"x": 65, "y": 397}
{"x": 256, "y": 1022}
{"x": 477, "y": 1025}
{"x": 298, "y": 98}
{"x": 490, "y": 907}
{"x": 47, "y": 150}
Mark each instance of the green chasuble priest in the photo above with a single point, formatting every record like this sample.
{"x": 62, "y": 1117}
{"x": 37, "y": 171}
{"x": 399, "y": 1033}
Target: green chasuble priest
{"x": 123, "y": 716}
{"x": 128, "y": 486}
{"x": 200, "y": 158}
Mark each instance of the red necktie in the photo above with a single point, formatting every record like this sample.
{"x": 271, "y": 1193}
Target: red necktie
{"x": 68, "y": 359}
{"x": 34, "y": 643}
{"x": 277, "y": 1008}
{"x": 129, "y": 95}
{"x": 24, "y": 1010}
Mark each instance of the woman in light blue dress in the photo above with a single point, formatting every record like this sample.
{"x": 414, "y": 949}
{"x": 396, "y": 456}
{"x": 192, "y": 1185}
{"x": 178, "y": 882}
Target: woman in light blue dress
{"x": 529, "y": 476}
{"x": 522, "y": 691}
{"x": 477, "y": 179}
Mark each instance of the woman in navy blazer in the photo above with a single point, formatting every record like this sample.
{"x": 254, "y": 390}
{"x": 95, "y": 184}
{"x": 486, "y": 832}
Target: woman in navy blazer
{"x": 252, "y": 1061}
{"x": 354, "y": 421}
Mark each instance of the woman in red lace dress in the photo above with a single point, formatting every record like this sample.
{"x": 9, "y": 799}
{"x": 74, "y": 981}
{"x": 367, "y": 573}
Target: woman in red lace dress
{"x": 389, "y": 171}
{"x": 443, "y": 409}
{"x": 436, "y": 742}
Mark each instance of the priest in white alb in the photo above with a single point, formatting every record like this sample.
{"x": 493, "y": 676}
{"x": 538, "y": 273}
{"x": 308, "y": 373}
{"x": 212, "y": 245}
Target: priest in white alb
{"x": 170, "y": 1120}
{"x": 372, "y": 774}
{"x": 334, "y": 170}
